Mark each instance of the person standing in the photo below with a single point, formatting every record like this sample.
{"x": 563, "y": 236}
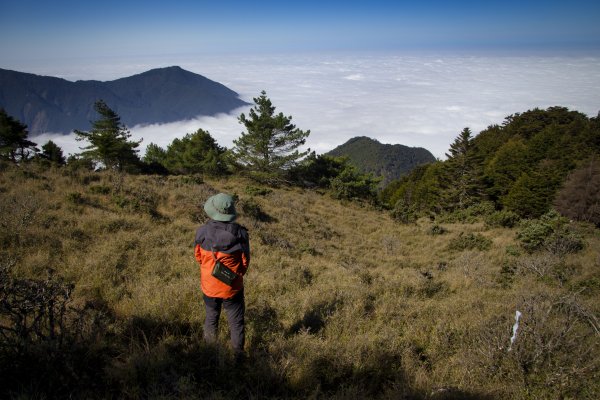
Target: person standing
{"x": 222, "y": 241}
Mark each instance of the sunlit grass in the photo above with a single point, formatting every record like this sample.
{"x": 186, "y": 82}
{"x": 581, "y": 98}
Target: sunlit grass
{"x": 342, "y": 301}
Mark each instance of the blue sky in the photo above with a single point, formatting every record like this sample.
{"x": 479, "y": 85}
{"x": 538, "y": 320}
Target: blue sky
{"x": 408, "y": 72}
{"x": 44, "y": 29}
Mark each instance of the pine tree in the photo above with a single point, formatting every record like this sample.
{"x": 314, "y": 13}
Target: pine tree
{"x": 269, "y": 147}
{"x": 53, "y": 153}
{"x": 532, "y": 194}
{"x": 195, "y": 153}
{"x": 155, "y": 154}
{"x": 462, "y": 183}
{"x": 508, "y": 163}
{"x": 14, "y": 145}
{"x": 109, "y": 140}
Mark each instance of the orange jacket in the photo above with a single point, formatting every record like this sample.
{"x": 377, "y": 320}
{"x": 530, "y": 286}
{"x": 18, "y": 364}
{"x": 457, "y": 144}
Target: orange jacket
{"x": 231, "y": 247}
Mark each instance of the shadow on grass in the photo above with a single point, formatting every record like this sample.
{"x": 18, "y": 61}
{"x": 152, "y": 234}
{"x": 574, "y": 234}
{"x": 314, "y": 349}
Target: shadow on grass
{"x": 145, "y": 358}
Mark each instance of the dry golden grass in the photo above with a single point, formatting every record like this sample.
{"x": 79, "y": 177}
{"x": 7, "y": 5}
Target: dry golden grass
{"x": 342, "y": 301}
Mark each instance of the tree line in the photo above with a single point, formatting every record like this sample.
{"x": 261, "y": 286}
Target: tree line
{"x": 269, "y": 151}
{"x": 534, "y": 161}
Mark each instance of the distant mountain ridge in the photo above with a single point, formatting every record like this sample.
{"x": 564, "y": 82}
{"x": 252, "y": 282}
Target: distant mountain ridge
{"x": 49, "y": 104}
{"x": 390, "y": 161}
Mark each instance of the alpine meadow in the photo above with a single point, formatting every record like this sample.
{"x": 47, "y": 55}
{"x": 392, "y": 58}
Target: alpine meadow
{"x": 477, "y": 277}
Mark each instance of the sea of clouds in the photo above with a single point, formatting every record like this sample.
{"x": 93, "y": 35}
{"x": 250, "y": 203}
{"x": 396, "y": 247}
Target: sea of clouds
{"x": 414, "y": 100}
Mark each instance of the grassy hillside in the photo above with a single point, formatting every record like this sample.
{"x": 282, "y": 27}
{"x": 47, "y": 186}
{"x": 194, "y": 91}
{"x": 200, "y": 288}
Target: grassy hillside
{"x": 342, "y": 302}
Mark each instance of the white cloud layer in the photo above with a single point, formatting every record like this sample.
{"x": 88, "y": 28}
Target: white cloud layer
{"x": 422, "y": 100}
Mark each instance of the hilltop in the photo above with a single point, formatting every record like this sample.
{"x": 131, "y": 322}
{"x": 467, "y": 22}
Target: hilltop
{"x": 49, "y": 104}
{"x": 390, "y": 161}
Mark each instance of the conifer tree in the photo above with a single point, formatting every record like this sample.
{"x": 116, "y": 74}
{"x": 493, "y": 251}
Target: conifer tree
{"x": 14, "y": 145}
{"x": 109, "y": 140}
{"x": 506, "y": 165}
{"x": 53, "y": 153}
{"x": 155, "y": 154}
{"x": 269, "y": 147}
{"x": 195, "y": 153}
{"x": 532, "y": 194}
{"x": 461, "y": 178}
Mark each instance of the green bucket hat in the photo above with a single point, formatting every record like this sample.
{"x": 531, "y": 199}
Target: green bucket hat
{"x": 220, "y": 207}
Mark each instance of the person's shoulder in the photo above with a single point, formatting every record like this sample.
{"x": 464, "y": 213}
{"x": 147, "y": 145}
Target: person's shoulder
{"x": 241, "y": 229}
{"x": 202, "y": 229}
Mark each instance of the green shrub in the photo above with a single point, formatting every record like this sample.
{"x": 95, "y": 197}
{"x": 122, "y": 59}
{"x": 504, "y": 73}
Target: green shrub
{"x": 550, "y": 232}
{"x": 257, "y": 191}
{"x": 504, "y": 219}
{"x": 533, "y": 234}
{"x": 405, "y": 213}
{"x": 191, "y": 179}
{"x": 564, "y": 241}
{"x": 470, "y": 214}
{"x": 141, "y": 200}
{"x": 351, "y": 184}
{"x": 470, "y": 241}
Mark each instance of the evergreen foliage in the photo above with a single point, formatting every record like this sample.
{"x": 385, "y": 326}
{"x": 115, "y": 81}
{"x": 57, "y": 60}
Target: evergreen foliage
{"x": 531, "y": 195}
{"x": 420, "y": 192}
{"x": 197, "y": 152}
{"x": 318, "y": 170}
{"x": 109, "y": 140}
{"x": 461, "y": 180}
{"x": 269, "y": 147}
{"x": 519, "y": 166}
{"x": 335, "y": 173}
{"x": 551, "y": 232}
{"x": 53, "y": 153}
{"x": 505, "y": 166}
{"x": 14, "y": 145}
{"x": 351, "y": 184}
{"x": 155, "y": 154}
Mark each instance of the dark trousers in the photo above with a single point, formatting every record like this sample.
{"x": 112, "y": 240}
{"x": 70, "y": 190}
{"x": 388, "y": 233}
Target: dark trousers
{"x": 234, "y": 310}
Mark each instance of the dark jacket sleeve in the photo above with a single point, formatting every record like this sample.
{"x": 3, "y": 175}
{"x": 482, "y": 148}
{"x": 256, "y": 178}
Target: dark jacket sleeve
{"x": 245, "y": 242}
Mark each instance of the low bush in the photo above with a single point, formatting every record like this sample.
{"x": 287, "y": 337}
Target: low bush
{"x": 503, "y": 219}
{"x": 470, "y": 214}
{"x": 550, "y": 232}
{"x": 140, "y": 200}
{"x": 257, "y": 191}
{"x": 470, "y": 241}
{"x": 405, "y": 213}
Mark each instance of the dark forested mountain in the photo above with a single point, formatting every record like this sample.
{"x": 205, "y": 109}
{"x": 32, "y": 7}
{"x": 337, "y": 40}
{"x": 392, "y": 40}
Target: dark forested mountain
{"x": 390, "y": 161}
{"x": 48, "y": 104}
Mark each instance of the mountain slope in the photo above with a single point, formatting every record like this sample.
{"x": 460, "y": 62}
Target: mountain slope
{"x": 342, "y": 300}
{"x": 386, "y": 160}
{"x": 48, "y": 104}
